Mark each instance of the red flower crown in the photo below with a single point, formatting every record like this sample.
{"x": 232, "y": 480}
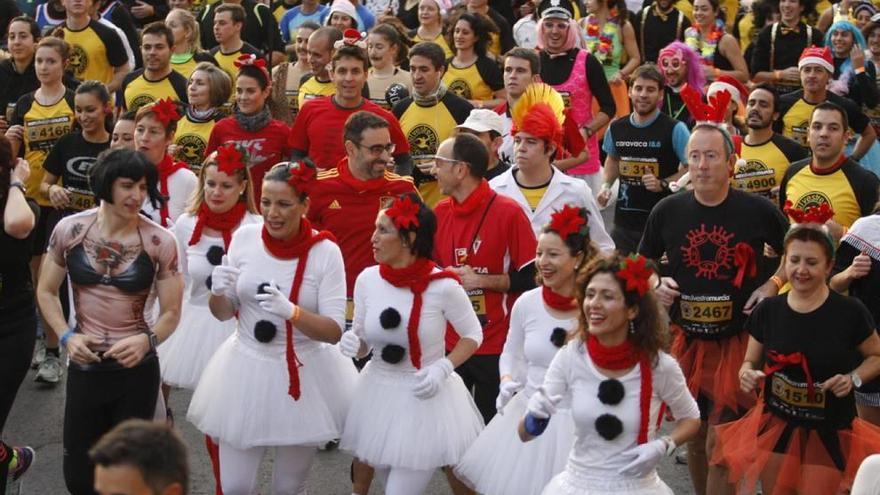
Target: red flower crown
{"x": 302, "y": 176}
{"x": 404, "y": 212}
{"x": 165, "y": 111}
{"x": 231, "y": 158}
{"x": 811, "y": 214}
{"x": 569, "y": 220}
{"x": 636, "y": 273}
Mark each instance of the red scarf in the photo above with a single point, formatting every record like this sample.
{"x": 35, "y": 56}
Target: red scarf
{"x": 358, "y": 185}
{"x": 557, "y": 301}
{"x": 223, "y": 222}
{"x": 167, "y": 167}
{"x": 622, "y": 357}
{"x": 472, "y": 202}
{"x": 416, "y": 277}
{"x": 296, "y": 247}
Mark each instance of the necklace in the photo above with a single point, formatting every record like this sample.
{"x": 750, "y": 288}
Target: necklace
{"x": 706, "y": 47}
{"x": 600, "y": 40}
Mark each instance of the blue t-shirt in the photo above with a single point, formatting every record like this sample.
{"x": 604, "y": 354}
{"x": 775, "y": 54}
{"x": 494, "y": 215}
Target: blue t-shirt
{"x": 680, "y": 136}
{"x": 294, "y": 18}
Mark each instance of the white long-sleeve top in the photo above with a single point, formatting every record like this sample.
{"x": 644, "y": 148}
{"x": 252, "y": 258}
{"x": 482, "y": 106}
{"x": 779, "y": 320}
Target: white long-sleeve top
{"x": 322, "y": 290}
{"x": 528, "y": 350}
{"x": 445, "y": 300}
{"x": 193, "y": 259}
{"x": 572, "y": 373}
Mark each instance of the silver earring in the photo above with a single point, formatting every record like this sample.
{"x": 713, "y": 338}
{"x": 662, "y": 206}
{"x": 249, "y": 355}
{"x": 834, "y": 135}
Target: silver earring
{"x": 632, "y": 327}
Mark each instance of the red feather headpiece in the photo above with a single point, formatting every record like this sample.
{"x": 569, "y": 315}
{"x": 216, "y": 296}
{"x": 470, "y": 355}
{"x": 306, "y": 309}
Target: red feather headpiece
{"x": 811, "y": 214}
{"x": 302, "y": 176}
{"x": 404, "y": 212}
{"x": 230, "y": 159}
{"x": 569, "y": 220}
{"x": 540, "y": 121}
{"x": 636, "y": 273}
{"x": 165, "y": 111}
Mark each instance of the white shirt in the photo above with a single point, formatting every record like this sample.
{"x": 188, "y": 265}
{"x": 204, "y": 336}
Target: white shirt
{"x": 561, "y": 191}
{"x": 444, "y": 300}
{"x": 181, "y": 185}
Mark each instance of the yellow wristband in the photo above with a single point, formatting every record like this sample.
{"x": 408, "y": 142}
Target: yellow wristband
{"x": 778, "y": 281}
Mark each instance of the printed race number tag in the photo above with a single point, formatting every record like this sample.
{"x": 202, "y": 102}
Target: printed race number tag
{"x": 635, "y": 169}
{"x": 80, "y": 200}
{"x": 706, "y": 312}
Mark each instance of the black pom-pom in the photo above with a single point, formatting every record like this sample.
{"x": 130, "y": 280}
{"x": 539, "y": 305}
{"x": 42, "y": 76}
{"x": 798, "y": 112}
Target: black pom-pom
{"x": 208, "y": 282}
{"x": 389, "y": 318}
{"x": 392, "y": 353}
{"x": 611, "y": 392}
{"x": 608, "y": 426}
{"x": 558, "y": 337}
{"x": 215, "y": 255}
{"x": 261, "y": 289}
{"x": 265, "y": 331}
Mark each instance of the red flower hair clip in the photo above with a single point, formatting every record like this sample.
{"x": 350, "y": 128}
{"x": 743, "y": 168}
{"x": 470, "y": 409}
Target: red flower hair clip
{"x": 230, "y": 159}
{"x": 301, "y": 176}
{"x": 351, "y": 37}
{"x": 569, "y": 220}
{"x": 165, "y": 111}
{"x": 404, "y": 212}
{"x": 811, "y": 214}
{"x": 636, "y": 273}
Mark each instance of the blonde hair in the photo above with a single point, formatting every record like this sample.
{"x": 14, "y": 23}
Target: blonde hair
{"x": 198, "y": 196}
{"x": 218, "y": 81}
{"x": 189, "y": 21}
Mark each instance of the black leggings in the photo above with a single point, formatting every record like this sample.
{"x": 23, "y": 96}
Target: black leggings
{"x": 17, "y": 336}
{"x": 97, "y": 400}
{"x": 480, "y": 375}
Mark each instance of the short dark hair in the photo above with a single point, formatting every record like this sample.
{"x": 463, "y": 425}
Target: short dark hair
{"x": 32, "y": 26}
{"x": 236, "y": 11}
{"x": 314, "y": 26}
{"x": 810, "y": 233}
{"x": 471, "y": 150}
{"x": 159, "y": 28}
{"x": 330, "y": 33}
{"x": 526, "y": 54}
{"x": 118, "y": 163}
{"x": 650, "y": 72}
{"x": 349, "y": 51}
{"x": 431, "y": 51}
{"x": 152, "y": 448}
{"x": 280, "y": 172}
{"x": 359, "y": 122}
{"x": 423, "y": 245}
{"x": 259, "y": 74}
{"x": 832, "y": 107}
{"x": 149, "y": 110}
{"x": 774, "y": 95}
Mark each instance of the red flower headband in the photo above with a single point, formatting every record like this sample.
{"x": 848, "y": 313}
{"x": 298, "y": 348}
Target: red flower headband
{"x": 165, "y": 111}
{"x": 636, "y": 273}
{"x": 230, "y": 159}
{"x": 301, "y": 176}
{"x": 247, "y": 59}
{"x": 569, "y": 220}
{"x": 404, "y": 212}
{"x": 811, "y": 214}
{"x": 351, "y": 37}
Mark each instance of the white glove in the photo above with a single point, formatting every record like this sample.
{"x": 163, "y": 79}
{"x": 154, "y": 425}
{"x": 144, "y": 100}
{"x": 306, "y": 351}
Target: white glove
{"x": 642, "y": 458}
{"x": 350, "y": 344}
{"x": 224, "y": 278}
{"x": 505, "y": 392}
{"x": 431, "y": 377}
{"x": 273, "y": 301}
{"x": 541, "y": 405}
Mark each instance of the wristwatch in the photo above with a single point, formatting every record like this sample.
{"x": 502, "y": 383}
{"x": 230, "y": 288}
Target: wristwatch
{"x": 154, "y": 341}
{"x": 856, "y": 379}
{"x": 670, "y": 445}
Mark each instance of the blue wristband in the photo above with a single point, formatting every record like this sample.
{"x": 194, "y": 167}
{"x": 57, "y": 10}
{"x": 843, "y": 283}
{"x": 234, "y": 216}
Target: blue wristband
{"x": 535, "y": 426}
{"x": 64, "y": 338}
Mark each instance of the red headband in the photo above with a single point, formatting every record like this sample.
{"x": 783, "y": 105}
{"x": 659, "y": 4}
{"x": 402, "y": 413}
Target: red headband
{"x": 569, "y": 220}
{"x": 249, "y": 59}
{"x": 404, "y": 212}
{"x": 636, "y": 273}
{"x": 165, "y": 111}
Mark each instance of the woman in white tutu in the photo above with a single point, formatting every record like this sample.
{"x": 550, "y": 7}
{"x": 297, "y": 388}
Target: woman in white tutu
{"x": 410, "y": 414}
{"x": 277, "y": 381}
{"x": 616, "y": 377}
{"x": 498, "y": 463}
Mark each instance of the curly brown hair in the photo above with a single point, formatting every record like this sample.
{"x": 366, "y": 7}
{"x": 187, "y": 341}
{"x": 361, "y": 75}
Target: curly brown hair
{"x": 651, "y": 333}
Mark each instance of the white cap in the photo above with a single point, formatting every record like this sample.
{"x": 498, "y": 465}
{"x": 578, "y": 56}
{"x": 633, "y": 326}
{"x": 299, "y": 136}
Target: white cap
{"x": 483, "y": 120}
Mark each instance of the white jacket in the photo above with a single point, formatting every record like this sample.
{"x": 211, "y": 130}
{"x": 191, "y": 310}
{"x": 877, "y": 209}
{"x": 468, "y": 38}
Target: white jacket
{"x": 562, "y": 190}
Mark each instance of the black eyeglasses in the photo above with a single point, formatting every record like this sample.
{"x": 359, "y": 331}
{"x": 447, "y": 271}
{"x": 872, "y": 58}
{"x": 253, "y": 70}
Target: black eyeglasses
{"x": 377, "y": 149}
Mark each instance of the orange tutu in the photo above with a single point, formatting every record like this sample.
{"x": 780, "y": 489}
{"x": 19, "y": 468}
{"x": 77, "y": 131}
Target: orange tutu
{"x": 711, "y": 368}
{"x": 620, "y": 94}
{"x": 797, "y": 459}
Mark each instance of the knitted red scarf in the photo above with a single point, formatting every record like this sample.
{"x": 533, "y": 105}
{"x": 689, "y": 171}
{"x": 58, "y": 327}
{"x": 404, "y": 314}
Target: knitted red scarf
{"x": 416, "y": 277}
{"x": 167, "y": 167}
{"x": 297, "y": 246}
{"x": 621, "y": 357}
{"x": 557, "y": 301}
{"x": 472, "y": 202}
{"x": 224, "y": 222}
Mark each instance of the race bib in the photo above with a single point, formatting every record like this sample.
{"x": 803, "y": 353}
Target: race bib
{"x": 705, "y": 316}
{"x": 80, "y": 200}
{"x": 478, "y": 301}
{"x": 42, "y": 134}
{"x": 632, "y": 169}
{"x": 799, "y": 134}
{"x": 761, "y": 181}
{"x": 793, "y": 399}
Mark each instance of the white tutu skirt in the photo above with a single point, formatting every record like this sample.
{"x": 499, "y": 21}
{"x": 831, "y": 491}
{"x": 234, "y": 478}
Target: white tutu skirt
{"x": 242, "y": 397}
{"x": 499, "y": 463}
{"x": 389, "y": 427}
{"x": 570, "y": 483}
{"x": 184, "y": 355}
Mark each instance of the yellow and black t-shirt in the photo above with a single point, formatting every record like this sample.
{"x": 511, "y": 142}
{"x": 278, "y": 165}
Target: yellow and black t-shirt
{"x": 440, "y": 40}
{"x": 795, "y": 112}
{"x": 138, "y": 91}
{"x": 425, "y": 128}
{"x": 43, "y": 126}
{"x": 478, "y": 81}
{"x": 849, "y": 189}
{"x": 765, "y": 164}
{"x": 226, "y": 61}
{"x": 185, "y": 64}
{"x": 95, "y": 51}
{"x": 192, "y": 137}
{"x": 310, "y": 87}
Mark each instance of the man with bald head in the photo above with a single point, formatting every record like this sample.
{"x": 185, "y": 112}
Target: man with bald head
{"x": 320, "y": 52}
